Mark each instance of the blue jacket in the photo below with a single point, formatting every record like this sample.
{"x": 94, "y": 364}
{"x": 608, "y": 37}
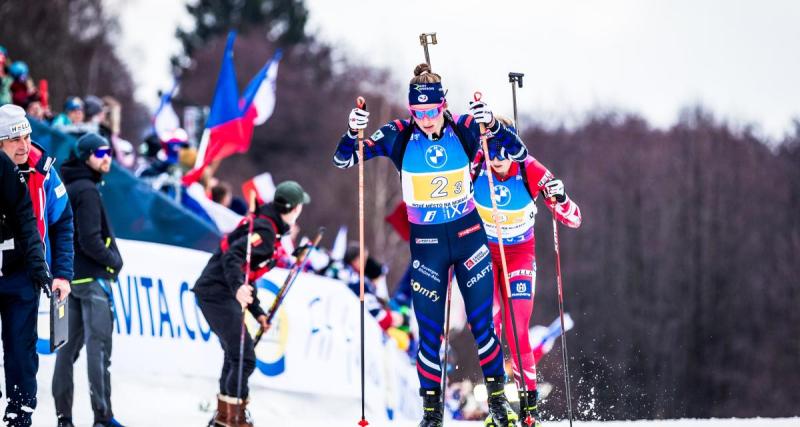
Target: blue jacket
{"x": 55, "y": 221}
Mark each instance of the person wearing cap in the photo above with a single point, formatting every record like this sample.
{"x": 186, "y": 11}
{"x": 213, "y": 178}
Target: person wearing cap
{"x": 222, "y": 293}
{"x": 72, "y": 115}
{"x": 97, "y": 265}
{"x": 23, "y": 271}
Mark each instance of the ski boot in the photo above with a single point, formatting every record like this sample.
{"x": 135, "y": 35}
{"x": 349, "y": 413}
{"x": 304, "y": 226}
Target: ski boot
{"x": 528, "y": 413}
{"x": 500, "y": 412}
{"x": 238, "y": 415}
{"x": 432, "y": 407}
{"x": 220, "y": 417}
{"x": 65, "y": 422}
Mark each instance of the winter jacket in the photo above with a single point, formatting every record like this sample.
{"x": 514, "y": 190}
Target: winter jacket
{"x": 96, "y": 253}
{"x": 225, "y": 271}
{"x": 52, "y": 211}
{"x": 18, "y": 227}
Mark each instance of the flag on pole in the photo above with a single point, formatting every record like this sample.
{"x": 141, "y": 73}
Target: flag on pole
{"x": 263, "y": 186}
{"x": 230, "y": 124}
{"x": 165, "y": 120}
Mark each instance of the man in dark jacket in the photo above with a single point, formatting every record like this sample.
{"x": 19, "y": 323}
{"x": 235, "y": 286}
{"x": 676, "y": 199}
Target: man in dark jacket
{"x": 97, "y": 265}
{"x": 21, "y": 249}
{"x": 222, "y": 294}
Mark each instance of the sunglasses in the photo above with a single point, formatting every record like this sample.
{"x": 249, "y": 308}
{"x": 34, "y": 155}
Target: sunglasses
{"x": 495, "y": 153}
{"x": 102, "y": 152}
{"x": 431, "y": 113}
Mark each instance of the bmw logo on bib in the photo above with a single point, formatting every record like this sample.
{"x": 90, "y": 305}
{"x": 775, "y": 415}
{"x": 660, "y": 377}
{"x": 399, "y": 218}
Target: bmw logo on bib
{"x": 435, "y": 156}
{"x": 502, "y": 195}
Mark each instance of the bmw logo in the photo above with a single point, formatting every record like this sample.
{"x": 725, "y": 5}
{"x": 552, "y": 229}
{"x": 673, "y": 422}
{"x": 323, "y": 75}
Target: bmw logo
{"x": 435, "y": 156}
{"x": 502, "y": 195}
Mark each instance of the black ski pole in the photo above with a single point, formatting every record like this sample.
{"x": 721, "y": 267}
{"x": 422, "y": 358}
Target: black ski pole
{"x": 425, "y": 39}
{"x": 561, "y": 314}
{"x": 447, "y": 330}
{"x": 299, "y": 265}
{"x": 248, "y": 254}
{"x": 516, "y": 80}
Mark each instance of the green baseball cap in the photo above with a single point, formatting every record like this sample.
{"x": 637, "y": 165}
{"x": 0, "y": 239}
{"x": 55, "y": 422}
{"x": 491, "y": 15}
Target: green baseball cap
{"x": 291, "y": 194}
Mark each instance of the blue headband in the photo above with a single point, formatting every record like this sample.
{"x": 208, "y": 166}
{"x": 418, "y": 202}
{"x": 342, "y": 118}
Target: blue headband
{"x": 425, "y": 93}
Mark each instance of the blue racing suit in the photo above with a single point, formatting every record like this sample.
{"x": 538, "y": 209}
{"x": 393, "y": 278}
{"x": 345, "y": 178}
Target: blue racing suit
{"x": 446, "y": 230}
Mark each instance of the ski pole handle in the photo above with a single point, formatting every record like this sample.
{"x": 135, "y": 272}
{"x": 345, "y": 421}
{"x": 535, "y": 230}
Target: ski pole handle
{"x": 477, "y": 97}
{"x": 361, "y": 103}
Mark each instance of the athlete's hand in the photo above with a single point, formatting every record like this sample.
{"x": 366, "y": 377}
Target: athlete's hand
{"x": 244, "y": 295}
{"x": 481, "y": 112}
{"x": 61, "y": 285}
{"x": 555, "y": 188}
{"x": 262, "y": 320}
{"x": 358, "y": 119}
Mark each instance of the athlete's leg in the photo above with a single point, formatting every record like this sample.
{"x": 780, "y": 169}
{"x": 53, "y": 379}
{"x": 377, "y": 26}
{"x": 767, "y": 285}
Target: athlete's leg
{"x": 429, "y": 269}
{"x": 473, "y": 268}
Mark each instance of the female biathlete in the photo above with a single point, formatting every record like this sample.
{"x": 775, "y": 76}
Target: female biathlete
{"x": 517, "y": 185}
{"x": 432, "y": 151}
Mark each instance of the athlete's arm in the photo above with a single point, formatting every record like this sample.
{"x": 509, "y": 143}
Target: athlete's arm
{"x": 567, "y": 212}
{"x": 509, "y": 142}
{"x": 378, "y": 144}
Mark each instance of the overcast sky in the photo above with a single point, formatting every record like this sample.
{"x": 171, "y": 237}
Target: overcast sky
{"x": 739, "y": 58}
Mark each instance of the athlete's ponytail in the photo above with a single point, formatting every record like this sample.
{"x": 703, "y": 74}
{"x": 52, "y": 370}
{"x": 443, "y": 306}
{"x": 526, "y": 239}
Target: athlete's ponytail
{"x": 423, "y": 74}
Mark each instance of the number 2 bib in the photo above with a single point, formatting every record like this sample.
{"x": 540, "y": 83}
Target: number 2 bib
{"x": 436, "y": 182}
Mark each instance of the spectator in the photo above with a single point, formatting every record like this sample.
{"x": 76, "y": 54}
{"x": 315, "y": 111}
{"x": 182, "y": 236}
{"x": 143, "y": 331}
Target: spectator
{"x": 221, "y": 193}
{"x": 97, "y": 265}
{"x": 72, "y": 115}
{"x": 347, "y": 271}
{"x": 122, "y": 149}
{"x": 50, "y": 204}
{"x": 95, "y": 116}
{"x": 223, "y": 291}
{"x": 37, "y": 110}
{"x": 22, "y": 86}
{"x": 22, "y": 250}
{"x": 5, "y": 78}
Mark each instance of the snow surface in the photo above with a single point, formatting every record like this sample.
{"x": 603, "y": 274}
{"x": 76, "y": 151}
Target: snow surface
{"x": 144, "y": 401}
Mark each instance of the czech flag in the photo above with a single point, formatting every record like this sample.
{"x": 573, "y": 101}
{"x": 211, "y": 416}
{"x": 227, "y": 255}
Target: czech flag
{"x": 230, "y": 124}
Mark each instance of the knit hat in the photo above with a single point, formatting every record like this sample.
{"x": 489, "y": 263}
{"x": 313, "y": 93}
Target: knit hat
{"x": 13, "y": 122}
{"x": 88, "y": 143}
{"x": 93, "y": 106}
{"x": 289, "y": 194}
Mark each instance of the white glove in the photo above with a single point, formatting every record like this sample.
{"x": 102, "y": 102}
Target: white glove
{"x": 244, "y": 295}
{"x": 481, "y": 112}
{"x": 358, "y": 119}
{"x": 555, "y": 188}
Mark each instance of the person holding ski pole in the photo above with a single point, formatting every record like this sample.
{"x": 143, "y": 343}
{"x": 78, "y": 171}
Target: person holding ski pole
{"x": 432, "y": 151}
{"x": 222, "y": 292}
{"x": 517, "y": 185}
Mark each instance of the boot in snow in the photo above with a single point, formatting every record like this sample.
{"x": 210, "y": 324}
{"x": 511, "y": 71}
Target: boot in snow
{"x": 500, "y": 412}
{"x": 432, "y": 407}
{"x": 529, "y": 413}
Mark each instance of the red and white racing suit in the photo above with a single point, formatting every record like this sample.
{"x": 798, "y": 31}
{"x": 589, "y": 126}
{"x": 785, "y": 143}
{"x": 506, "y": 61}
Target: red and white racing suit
{"x": 517, "y": 210}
